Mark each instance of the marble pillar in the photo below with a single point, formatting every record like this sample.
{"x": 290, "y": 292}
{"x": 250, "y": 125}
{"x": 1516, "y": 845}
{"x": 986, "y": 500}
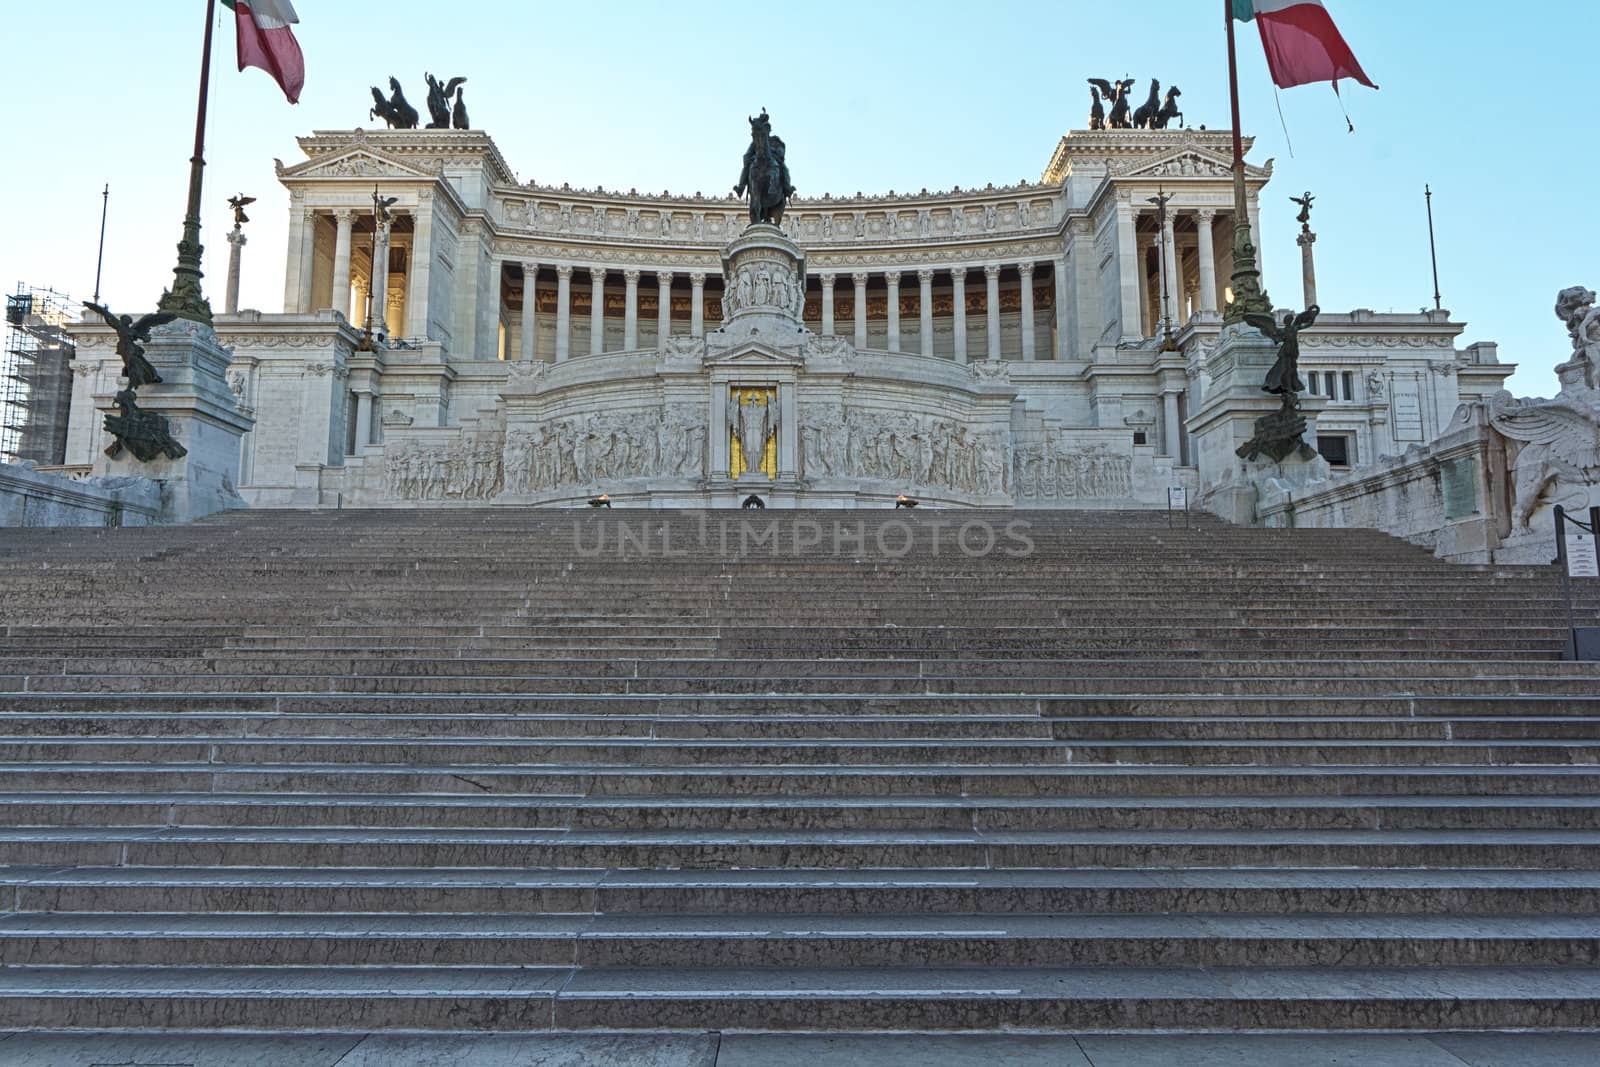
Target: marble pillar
{"x": 1171, "y": 442}
{"x": 697, "y": 306}
{"x": 1205, "y": 221}
{"x": 860, "y": 281}
{"x": 827, "y": 304}
{"x": 380, "y": 281}
{"x": 298, "y": 234}
{"x": 341, "y": 262}
{"x": 563, "y": 312}
{"x": 1063, "y": 348}
{"x": 597, "y": 311}
{"x": 892, "y": 280}
{"x": 1028, "y": 333}
{"x": 417, "y": 302}
{"x": 663, "y": 307}
{"x": 1169, "y": 261}
{"x": 1131, "y": 265}
{"x": 1308, "y": 266}
{"x": 528, "y": 326}
{"x": 925, "y": 310}
{"x": 991, "y": 273}
{"x": 630, "y": 311}
{"x": 236, "y": 241}
{"x": 363, "y": 420}
{"x": 958, "y": 285}
{"x": 308, "y": 260}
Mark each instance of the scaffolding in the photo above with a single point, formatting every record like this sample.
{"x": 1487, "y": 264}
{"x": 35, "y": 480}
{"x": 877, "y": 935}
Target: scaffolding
{"x": 36, "y": 377}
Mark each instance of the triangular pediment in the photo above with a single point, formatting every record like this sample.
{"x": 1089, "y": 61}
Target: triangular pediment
{"x": 754, "y": 354}
{"x": 356, "y": 163}
{"x": 1186, "y": 162}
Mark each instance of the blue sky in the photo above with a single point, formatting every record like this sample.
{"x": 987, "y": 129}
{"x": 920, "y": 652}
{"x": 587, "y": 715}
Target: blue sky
{"x": 1492, "y": 111}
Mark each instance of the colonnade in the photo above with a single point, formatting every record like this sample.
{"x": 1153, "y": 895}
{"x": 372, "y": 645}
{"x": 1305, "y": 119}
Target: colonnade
{"x": 1187, "y": 293}
{"x": 827, "y": 322}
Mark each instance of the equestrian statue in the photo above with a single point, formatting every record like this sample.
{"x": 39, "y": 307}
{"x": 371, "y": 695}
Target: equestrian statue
{"x": 765, "y": 173}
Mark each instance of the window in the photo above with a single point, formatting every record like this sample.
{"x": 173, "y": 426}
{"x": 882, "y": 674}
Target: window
{"x": 1311, "y": 384}
{"x": 1140, "y": 438}
{"x": 1349, "y": 379}
{"x": 1335, "y": 448}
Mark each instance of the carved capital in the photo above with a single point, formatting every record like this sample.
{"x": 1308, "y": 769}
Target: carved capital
{"x": 925, "y": 276}
{"x": 1026, "y": 270}
{"x": 309, "y": 216}
{"x": 597, "y": 275}
{"x": 828, "y": 278}
{"x": 860, "y": 279}
{"x": 530, "y": 269}
{"x": 1206, "y": 215}
{"x": 698, "y": 279}
{"x": 958, "y": 275}
{"x": 892, "y": 278}
{"x": 992, "y": 271}
{"x": 664, "y": 279}
{"x": 564, "y": 272}
{"x": 345, "y": 217}
{"x": 631, "y": 277}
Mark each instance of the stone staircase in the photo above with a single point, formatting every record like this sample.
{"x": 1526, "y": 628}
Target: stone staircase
{"x": 509, "y": 770}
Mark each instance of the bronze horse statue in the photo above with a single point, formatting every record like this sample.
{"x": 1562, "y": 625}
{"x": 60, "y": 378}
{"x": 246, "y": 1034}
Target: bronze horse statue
{"x": 1169, "y": 111}
{"x": 1097, "y": 110}
{"x": 1117, "y": 93}
{"x": 1145, "y": 117}
{"x": 395, "y": 111}
{"x": 765, "y": 173}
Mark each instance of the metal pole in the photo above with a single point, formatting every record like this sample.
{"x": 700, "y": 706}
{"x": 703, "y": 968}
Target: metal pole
{"x": 185, "y": 299}
{"x": 1571, "y": 652}
{"x": 100, "y": 257}
{"x": 1433, "y": 248}
{"x": 1248, "y": 296}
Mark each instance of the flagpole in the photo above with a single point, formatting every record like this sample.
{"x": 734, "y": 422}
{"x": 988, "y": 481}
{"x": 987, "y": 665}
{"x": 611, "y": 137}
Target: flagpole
{"x": 185, "y": 299}
{"x": 1433, "y": 248}
{"x": 1248, "y": 295}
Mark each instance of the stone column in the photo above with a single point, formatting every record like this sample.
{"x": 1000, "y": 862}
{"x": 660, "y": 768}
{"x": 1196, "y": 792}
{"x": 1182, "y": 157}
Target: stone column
{"x": 991, "y": 309}
{"x": 697, "y": 306}
{"x": 663, "y": 307}
{"x": 341, "y": 262}
{"x": 597, "y": 310}
{"x": 1208, "y": 261}
{"x": 359, "y": 292}
{"x": 363, "y": 419}
{"x": 417, "y": 311}
{"x": 788, "y": 431}
{"x": 1063, "y": 325}
{"x": 1308, "y": 266}
{"x": 1170, "y": 441}
{"x": 1253, "y": 209}
{"x": 630, "y": 311}
{"x": 827, "y": 304}
{"x": 308, "y": 260}
{"x": 1132, "y": 273}
{"x": 529, "y": 326}
{"x": 236, "y": 241}
{"x": 380, "y": 282}
{"x": 1169, "y": 261}
{"x": 298, "y": 234}
{"x": 1145, "y": 242}
{"x": 892, "y": 279}
{"x": 1028, "y": 338}
{"x": 925, "y": 310}
{"x": 958, "y": 284}
{"x": 860, "y": 281}
{"x": 563, "y": 312}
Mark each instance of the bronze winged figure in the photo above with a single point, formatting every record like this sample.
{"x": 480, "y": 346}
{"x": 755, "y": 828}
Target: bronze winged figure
{"x": 238, "y": 204}
{"x": 130, "y": 338}
{"x": 1284, "y": 378}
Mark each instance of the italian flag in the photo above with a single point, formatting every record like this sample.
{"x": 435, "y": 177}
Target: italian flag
{"x": 1303, "y": 45}
{"x": 266, "y": 41}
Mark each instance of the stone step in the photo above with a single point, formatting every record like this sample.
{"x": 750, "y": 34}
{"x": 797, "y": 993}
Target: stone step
{"x": 850, "y": 999}
{"x": 394, "y": 890}
{"x": 77, "y": 939}
{"x": 776, "y": 814}
{"x": 512, "y": 849}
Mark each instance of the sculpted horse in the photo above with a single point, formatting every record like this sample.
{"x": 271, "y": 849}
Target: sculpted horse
{"x": 765, "y": 173}
{"x": 399, "y": 114}
{"x": 1169, "y": 111}
{"x": 1145, "y": 117}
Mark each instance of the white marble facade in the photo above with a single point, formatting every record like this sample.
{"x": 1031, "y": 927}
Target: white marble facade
{"x": 983, "y": 347}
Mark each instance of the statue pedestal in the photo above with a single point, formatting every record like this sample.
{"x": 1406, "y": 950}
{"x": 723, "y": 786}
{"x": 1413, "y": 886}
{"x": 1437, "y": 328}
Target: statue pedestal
{"x": 764, "y": 294}
{"x": 201, "y": 413}
{"x": 1227, "y": 422}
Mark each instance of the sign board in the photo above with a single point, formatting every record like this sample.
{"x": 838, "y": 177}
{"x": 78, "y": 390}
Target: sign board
{"x": 1458, "y": 484}
{"x": 1582, "y": 562}
{"x": 1177, "y": 500}
{"x": 1407, "y": 412}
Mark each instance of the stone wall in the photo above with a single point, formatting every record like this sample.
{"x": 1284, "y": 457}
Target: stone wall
{"x": 30, "y": 497}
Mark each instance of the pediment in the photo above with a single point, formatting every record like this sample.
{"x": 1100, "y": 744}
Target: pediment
{"x": 356, "y": 163}
{"x": 753, "y": 355}
{"x": 1187, "y": 162}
